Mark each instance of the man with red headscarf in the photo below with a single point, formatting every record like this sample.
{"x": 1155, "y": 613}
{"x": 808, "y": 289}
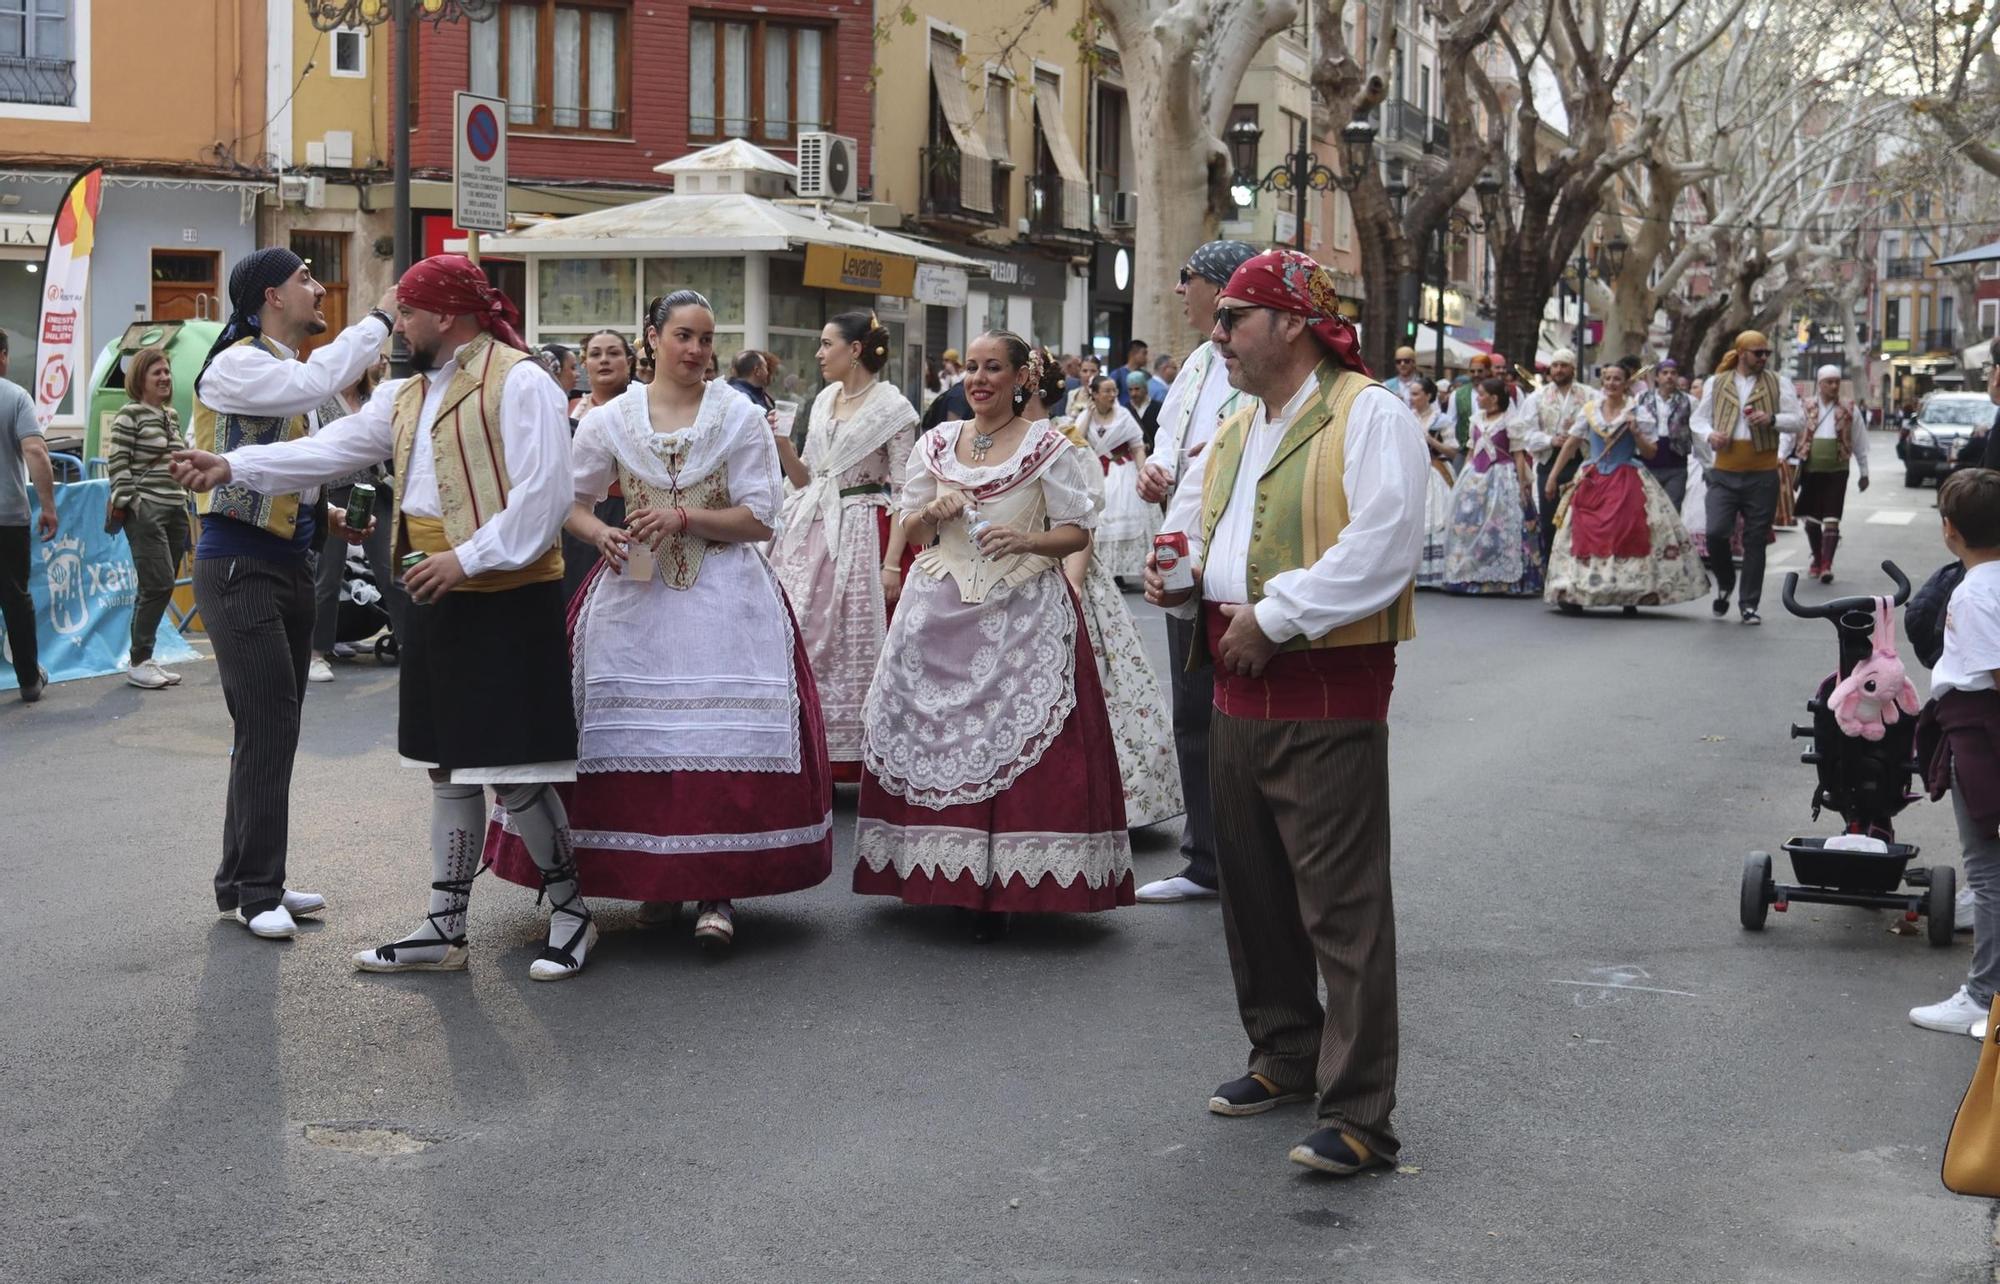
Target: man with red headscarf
{"x": 1306, "y": 515}
{"x": 480, "y": 442}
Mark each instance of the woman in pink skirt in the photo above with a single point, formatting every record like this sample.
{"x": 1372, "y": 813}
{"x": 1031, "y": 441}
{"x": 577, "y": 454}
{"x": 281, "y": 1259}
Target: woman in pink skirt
{"x": 701, "y": 761}
{"x": 991, "y": 776}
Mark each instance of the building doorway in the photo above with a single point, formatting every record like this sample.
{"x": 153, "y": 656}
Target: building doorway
{"x": 187, "y": 285}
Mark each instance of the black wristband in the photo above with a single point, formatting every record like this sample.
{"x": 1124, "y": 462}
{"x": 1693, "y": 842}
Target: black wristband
{"x": 388, "y": 322}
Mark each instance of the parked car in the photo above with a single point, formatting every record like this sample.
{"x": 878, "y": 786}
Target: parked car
{"x": 1946, "y": 421}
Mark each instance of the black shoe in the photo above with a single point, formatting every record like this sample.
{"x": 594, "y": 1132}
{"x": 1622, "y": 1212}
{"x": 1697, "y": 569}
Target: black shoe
{"x": 1720, "y": 607}
{"x": 1251, "y": 1095}
{"x": 31, "y": 695}
{"x": 1751, "y": 617}
{"x": 1334, "y": 1152}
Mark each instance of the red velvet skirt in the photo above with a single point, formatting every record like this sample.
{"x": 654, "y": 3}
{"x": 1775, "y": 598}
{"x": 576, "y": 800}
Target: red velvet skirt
{"x": 1053, "y": 841}
{"x": 696, "y": 835}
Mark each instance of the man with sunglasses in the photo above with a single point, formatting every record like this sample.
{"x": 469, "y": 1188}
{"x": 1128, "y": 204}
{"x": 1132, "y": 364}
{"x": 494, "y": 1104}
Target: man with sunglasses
{"x": 1310, "y": 524}
{"x": 1406, "y": 375}
{"x": 1745, "y": 407}
{"x": 1194, "y": 408}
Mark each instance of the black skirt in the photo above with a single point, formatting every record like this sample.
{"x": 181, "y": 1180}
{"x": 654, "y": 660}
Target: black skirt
{"x": 1822, "y": 496}
{"x": 486, "y": 680}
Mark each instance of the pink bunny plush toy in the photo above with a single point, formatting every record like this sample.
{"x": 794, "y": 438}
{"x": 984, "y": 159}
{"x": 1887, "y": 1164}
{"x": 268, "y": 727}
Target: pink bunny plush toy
{"x": 1865, "y": 703}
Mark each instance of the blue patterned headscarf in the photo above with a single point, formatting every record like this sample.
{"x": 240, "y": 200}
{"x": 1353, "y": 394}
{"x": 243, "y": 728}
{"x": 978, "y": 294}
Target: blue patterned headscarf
{"x": 1217, "y": 261}
{"x": 255, "y": 273}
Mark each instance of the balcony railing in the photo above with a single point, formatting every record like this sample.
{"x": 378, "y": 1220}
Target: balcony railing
{"x": 1406, "y": 123}
{"x": 944, "y": 193}
{"x": 1058, "y": 208}
{"x": 1945, "y": 340}
{"x": 42, "y": 82}
{"x": 1905, "y": 269}
{"x": 1440, "y": 141}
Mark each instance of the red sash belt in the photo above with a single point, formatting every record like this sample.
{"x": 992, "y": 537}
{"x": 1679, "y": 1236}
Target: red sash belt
{"x": 1333, "y": 682}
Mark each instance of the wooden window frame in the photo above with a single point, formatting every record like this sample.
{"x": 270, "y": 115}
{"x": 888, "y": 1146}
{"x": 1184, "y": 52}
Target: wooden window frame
{"x": 545, "y": 66}
{"x": 759, "y": 23}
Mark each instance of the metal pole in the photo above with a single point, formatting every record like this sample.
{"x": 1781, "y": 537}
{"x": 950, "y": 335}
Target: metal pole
{"x": 1302, "y": 171}
{"x": 1443, "y": 272}
{"x": 399, "y": 351}
{"x": 1582, "y": 294}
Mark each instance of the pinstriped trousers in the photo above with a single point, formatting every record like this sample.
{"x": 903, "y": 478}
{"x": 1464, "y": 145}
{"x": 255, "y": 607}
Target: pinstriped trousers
{"x": 1302, "y": 847}
{"x": 259, "y": 617}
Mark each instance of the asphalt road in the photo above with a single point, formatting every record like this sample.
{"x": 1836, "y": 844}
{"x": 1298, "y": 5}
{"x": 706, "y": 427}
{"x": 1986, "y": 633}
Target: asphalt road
{"x": 1603, "y": 1078}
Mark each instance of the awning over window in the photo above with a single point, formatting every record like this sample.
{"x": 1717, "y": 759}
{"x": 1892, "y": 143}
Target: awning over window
{"x": 975, "y": 160}
{"x": 1076, "y": 188}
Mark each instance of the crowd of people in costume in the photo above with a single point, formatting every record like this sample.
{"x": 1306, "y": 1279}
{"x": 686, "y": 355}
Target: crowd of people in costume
{"x": 934, "y": 610}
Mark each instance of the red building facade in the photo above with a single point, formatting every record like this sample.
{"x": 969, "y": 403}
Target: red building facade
{"x": 601, "y": 91}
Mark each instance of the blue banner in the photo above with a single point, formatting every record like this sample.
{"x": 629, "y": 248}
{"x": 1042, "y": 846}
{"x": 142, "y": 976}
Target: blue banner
{"x": 84, "y": 587}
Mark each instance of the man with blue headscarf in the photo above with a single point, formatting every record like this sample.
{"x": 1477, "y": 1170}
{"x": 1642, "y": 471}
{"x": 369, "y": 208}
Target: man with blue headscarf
{"x": 253, "y": 571}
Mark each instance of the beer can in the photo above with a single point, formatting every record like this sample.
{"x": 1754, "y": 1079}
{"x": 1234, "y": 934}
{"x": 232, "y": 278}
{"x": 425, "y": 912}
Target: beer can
{"x": 1170, "y": 556}
{"x": 410, "y": 561}
{"x": 360, "y": 504}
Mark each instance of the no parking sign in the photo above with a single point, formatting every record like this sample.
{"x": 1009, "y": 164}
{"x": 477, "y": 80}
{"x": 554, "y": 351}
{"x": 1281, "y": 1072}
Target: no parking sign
{"x": 480, "y": 166}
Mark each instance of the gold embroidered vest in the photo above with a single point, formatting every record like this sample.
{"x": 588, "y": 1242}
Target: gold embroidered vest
{"x": 469, "y": 458}
{"x": 220, "y": 433}
{"x": 678, "y": 558}
{"x": 1301, "y": 503}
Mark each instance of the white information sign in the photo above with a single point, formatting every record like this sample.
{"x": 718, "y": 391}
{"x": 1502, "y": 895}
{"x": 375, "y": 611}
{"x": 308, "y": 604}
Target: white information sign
{"x": 479, "y": 168}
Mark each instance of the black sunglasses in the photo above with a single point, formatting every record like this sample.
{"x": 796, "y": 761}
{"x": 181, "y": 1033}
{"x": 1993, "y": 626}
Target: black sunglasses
{"x": 1186, "y": 276}
{"x": 1226, "y": 319}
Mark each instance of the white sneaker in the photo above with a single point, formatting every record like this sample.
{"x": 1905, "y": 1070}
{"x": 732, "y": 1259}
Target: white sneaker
{"x": 1978, "y": 1030}
{"x": 304, "y": 904}
{"x": 173, "y": 679}
{"x": 1953, "y": 1016}
{"x": 319, "y": 671}
{"x": 1168, "y": 890}
{"x": 1961, "y": 910}
{"x": 274, "y": 924}
{"x": 146, "y": 676}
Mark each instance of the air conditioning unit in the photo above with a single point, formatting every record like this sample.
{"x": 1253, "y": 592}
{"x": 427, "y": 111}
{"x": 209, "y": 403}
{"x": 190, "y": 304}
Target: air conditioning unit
{"x": 1124, "y": 209}
{"x": 291, "y": 189}
{"x": 829, "y": 168}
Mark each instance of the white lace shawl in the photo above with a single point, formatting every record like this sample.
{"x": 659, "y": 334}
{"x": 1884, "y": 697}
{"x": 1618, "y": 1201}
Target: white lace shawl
{"x": 831, "y": 452}
{"x": 703, "y": 444}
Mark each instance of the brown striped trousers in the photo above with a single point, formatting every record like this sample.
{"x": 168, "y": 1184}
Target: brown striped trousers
{"x": 1302, "y": 847}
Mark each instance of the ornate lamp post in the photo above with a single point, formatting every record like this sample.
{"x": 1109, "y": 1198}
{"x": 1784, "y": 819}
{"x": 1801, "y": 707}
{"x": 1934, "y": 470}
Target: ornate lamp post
{"x": 1300, "y": 171}
{"x": 1610, "y": 262}
{"x": 327, "y": 15}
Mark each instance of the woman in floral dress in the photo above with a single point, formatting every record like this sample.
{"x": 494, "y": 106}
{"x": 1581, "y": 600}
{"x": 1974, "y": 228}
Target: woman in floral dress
{"x": 1440, "y": 438}
{"x": 837, "y": 553}
{"x": 991, "y": 777}
{"x": 1621, "y": 543}
{"x": 1491, "y": 547}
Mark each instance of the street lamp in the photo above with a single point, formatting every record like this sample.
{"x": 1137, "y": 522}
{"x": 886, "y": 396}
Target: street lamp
{"x": 1299, "y": 172}
{"x": 1610, "y": 265}
{"x": 331, "y": 15}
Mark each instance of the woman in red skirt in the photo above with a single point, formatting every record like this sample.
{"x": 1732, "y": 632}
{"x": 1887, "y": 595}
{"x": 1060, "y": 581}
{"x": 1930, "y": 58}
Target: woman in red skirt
{"x": 991, "y": 777}
{"x": 701, "y": 768}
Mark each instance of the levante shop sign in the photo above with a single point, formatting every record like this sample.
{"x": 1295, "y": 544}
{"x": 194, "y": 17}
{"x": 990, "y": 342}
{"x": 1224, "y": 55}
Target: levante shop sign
{"x": 830, "y": 267}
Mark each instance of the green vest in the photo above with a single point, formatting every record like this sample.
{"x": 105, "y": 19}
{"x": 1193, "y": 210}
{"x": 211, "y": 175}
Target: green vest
{"x": 1301, "y": 502}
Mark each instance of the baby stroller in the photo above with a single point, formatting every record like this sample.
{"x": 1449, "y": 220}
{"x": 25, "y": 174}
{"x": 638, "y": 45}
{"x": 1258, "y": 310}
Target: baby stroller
{"x": 362, "y": 613}
{"x": 1867, "y": 783}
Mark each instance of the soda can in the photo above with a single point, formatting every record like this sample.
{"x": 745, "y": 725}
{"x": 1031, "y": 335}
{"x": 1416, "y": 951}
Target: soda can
{"x": 360, "y": 504}
{"x": 1170, "y": 556}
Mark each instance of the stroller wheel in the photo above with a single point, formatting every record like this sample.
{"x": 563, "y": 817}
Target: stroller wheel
{"x": 1941, "y": 905}
{"x": 386, "y": 650}
{"x": 1756, "y": 900}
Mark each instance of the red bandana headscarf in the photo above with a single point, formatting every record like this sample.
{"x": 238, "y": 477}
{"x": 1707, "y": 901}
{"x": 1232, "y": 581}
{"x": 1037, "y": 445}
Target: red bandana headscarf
{"x": 1289, "y": 281}
{"x": 453, "y": 284}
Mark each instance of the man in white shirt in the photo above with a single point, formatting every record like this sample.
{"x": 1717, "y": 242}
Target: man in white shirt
{"x": 1309, "y": 529}
{"x": 1194, "y": 408}
{"x": 253, "y": 571}
{"x": 1547, "y": 418}
{"x": 1744, "y": 411}
{"x": 485, "y": 674}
